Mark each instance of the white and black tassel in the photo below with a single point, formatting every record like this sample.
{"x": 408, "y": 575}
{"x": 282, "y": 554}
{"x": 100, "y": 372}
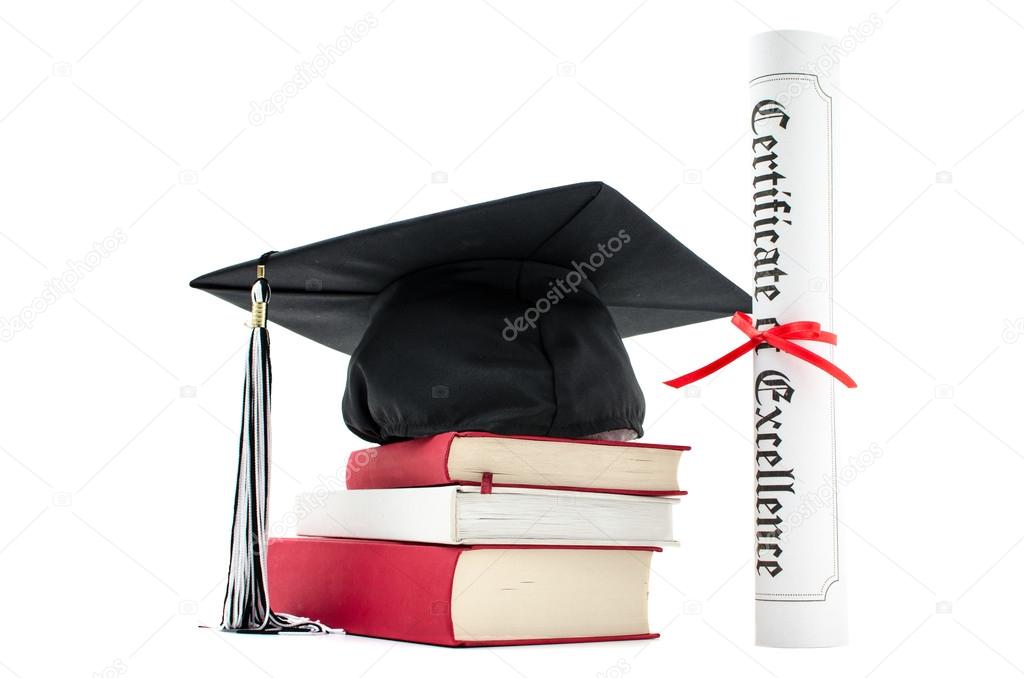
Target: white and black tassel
{"x": 246, "y": 600}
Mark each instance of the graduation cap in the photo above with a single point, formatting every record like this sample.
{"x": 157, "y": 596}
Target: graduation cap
{"x": 506, "y": 316}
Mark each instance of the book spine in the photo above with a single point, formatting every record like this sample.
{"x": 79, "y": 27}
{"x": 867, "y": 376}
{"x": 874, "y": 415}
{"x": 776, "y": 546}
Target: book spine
{"x": 410, "y": 463}
{"x": 372, "y": 588}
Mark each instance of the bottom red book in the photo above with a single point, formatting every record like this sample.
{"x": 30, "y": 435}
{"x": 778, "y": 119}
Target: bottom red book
{"x": 464, "y": 595}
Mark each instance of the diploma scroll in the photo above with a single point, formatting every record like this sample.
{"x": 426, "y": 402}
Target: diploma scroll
{"x": 800, "y": 588}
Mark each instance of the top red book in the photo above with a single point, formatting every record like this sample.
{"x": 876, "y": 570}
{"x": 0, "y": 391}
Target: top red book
{"x": 464, "y": 458}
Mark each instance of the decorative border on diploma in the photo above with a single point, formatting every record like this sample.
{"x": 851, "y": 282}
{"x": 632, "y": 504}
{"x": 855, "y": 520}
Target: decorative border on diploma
{"x": 822, "y": 594}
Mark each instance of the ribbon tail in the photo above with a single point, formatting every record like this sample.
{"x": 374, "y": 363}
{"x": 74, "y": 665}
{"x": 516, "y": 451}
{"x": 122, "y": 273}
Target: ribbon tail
{"x": 713, "y": 367}
{"x": 816, "y": 360}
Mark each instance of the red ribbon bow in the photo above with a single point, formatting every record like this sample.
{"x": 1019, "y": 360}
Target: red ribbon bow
{"x": 780, "y": 337}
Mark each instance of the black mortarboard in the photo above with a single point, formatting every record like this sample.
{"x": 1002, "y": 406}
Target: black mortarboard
{"x": 505, "y": 316}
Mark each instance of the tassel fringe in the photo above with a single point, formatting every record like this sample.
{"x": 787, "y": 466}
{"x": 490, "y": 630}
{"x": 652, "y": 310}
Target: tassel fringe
{"x": 246, "y": 602}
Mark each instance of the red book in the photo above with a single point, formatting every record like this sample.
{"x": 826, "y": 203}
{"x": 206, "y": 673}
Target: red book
{"x": 464, "y": 595}
{"x": 467, "y": 458}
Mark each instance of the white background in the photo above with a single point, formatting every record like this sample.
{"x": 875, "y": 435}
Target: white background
{"x": 120, "y": 402}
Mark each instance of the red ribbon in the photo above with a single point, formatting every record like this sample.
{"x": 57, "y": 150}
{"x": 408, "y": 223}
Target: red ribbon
{"x": 781, "y": 337}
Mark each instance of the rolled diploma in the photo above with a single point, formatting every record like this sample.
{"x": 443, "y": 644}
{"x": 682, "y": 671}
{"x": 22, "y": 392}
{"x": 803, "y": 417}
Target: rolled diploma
{"x": 800, "y": 595}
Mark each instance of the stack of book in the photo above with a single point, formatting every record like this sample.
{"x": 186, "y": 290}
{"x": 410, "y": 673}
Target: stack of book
{"x": 481, "y": 539}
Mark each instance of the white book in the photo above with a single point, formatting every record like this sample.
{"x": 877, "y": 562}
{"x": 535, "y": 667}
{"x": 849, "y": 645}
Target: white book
{"x": 463, "y": 515}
